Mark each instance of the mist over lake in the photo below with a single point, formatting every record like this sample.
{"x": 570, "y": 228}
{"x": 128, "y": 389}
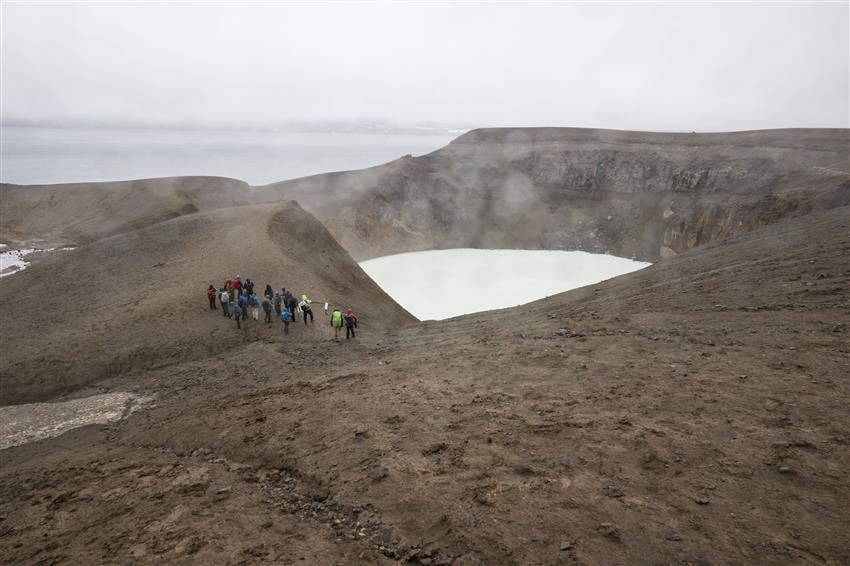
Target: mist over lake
{"x": 33, "y": 155}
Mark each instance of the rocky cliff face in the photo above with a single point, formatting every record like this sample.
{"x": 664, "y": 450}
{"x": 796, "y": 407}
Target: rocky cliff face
{"x": 634, "y": 194}
{"x": 712, "y": 222}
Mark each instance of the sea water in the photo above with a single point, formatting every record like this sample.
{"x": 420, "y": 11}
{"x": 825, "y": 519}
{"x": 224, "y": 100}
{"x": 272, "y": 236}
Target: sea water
{"x": 41, "y": 155}
{"x": 439, "y": 284}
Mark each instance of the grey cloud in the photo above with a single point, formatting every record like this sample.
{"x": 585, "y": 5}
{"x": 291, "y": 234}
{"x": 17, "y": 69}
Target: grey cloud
{"x": 676, "y": 66}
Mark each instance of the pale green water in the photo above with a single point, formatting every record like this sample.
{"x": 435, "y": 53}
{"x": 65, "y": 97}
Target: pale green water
{"x": 440, "y": 284}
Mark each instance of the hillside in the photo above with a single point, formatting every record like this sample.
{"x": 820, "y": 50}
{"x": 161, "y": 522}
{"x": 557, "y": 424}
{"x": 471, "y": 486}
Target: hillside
{"x": 691, "y": 412}
{"x": 79, "y": 213}
{"x": 634, "y": 194}
{"x": 641, "y": 195}
{"x": 136, "y": 301}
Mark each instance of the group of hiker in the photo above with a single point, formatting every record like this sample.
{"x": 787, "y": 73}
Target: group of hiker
{"x": 239, "y": 301}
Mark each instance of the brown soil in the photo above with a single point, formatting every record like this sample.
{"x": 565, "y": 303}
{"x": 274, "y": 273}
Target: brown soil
{"x": 694, "y": 412}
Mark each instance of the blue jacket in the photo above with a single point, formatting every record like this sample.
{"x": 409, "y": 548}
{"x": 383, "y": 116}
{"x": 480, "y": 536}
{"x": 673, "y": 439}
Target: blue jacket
{"x": 237, "y": 311}
{"x": 285, "y": 316}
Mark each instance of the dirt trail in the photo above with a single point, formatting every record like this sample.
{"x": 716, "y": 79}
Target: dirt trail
{"x": 692, "y": 412}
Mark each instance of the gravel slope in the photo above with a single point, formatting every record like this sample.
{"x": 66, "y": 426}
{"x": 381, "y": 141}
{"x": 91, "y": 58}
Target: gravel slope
{"x": 692, "y": 412}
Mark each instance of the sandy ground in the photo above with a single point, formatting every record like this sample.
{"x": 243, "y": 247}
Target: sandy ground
{"x": 690, "y": 413}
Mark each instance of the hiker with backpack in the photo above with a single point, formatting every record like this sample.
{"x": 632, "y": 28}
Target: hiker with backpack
{"x": 291, "y": 304}
{"x": 211, "y": 297}
{"x": 237, "y": 287}
{"x": 305, "y": 308}
{"x": 254, "y": 303}
{"x": 224, "y": 297}
{"x": 336, "y": 323}
{"x": 267, "y": 309}
{"x": 277, "y": 302}
{"x": 285, "y": 318}
{"x": 350, "y": 321}
{"x": 237, "y": 314}
{"x": 243, "y": 304}
{"x": 249, "y": 287}
{"x": 268, "y": 292}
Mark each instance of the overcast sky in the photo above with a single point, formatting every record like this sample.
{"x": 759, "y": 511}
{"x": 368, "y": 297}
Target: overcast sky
{"x": 659, "y": 66}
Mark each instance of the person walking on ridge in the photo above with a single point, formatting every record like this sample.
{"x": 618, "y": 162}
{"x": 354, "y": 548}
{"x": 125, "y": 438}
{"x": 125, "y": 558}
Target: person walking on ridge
{"x": 285, "y": 318}
{"x": 268, "y": 292}
{"x": 237, "y": 314}
{"x": 267, "y": 309}
{"x": 277, "y": 303}
{"x": 237, "y": 286}
{"x": 254, "y": 302}
{"x": 305, "y": 308}
{"x": 350, "y": 320}
{"x": 211, "y": 296}
{"x": 336, "y": 322}
{"x": 291, "y": 303}
{"x": 225, "y": 303}
{"x": 243, "y": 304}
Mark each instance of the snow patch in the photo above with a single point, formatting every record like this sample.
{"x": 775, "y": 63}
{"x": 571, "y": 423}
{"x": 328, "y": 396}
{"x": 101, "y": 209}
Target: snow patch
{"x": 20, "y": 424}
{"x": 15, "y": 261}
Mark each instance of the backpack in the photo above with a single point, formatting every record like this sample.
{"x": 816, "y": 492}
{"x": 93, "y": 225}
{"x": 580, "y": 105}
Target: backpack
{"x": 336, "y": 318}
